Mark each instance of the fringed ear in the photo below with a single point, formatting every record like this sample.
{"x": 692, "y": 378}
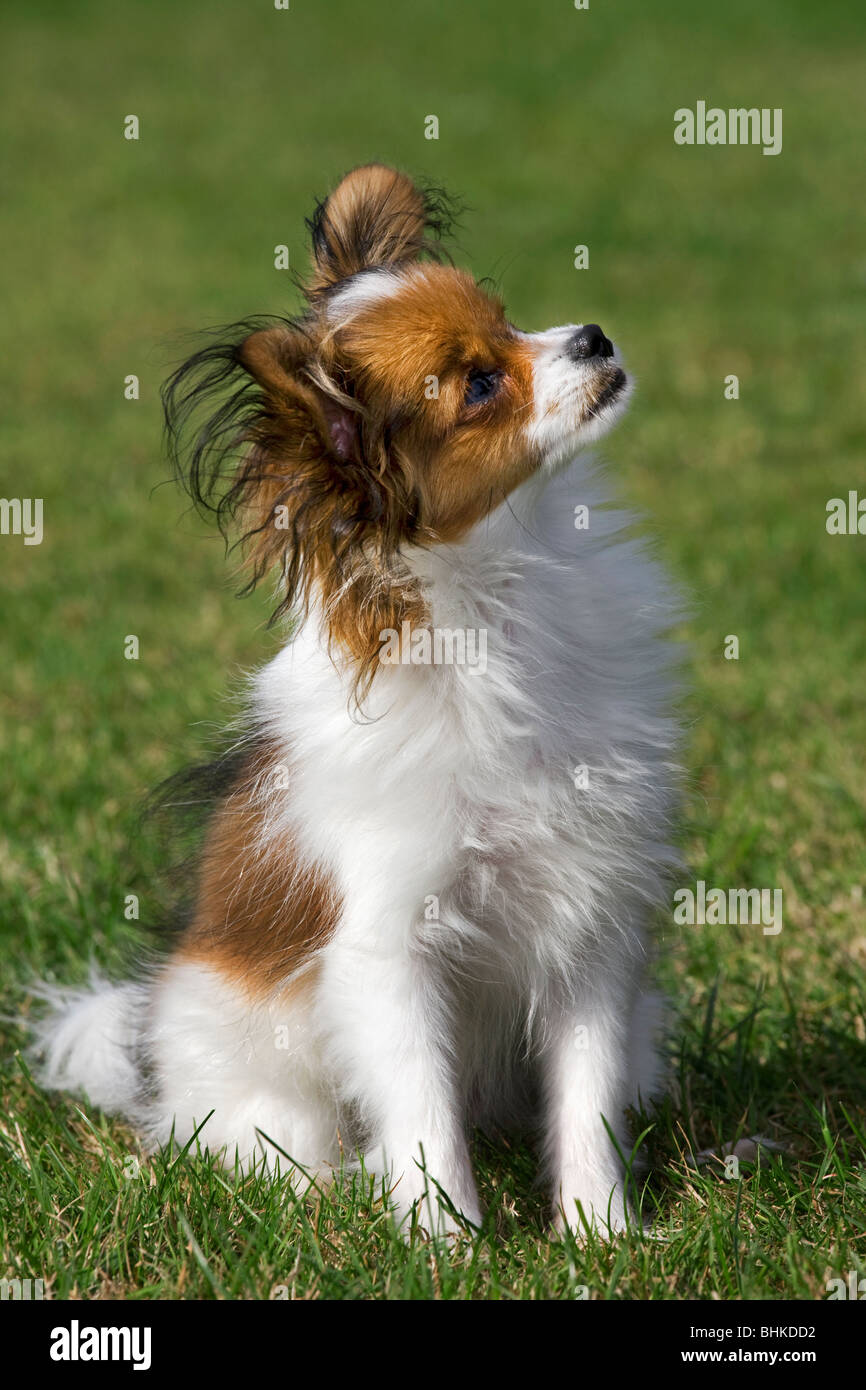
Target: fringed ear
{"x": 255, "y": 442}
{"x": 244, "y": 399}
{"x": 261, "y": 437}
{"x": 376, "y": 216}
{"x": 279, "y": 360}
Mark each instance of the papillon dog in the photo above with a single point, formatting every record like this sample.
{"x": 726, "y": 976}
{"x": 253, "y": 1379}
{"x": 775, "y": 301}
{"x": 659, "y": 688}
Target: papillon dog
{"x": 422, "y": 897}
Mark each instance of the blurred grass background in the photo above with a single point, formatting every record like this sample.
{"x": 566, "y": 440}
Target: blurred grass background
{"x": 556, "y": 127}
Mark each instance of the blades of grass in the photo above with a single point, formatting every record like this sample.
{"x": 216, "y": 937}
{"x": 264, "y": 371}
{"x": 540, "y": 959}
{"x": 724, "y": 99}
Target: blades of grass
{"x": 173, "y": 1165}
{"x": 215, "y": 1283}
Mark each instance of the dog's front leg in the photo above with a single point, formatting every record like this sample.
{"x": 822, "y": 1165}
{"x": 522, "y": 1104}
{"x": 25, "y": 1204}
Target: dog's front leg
{"x": 586, "y": 1072}
{"x": 390, "y": 1052}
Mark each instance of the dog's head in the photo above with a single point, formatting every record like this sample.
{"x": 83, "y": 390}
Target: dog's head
{"x": 399, "y": 409}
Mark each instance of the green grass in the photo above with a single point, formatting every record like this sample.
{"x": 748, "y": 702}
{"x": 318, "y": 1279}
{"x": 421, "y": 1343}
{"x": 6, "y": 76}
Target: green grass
{"x": 557, "y": 128}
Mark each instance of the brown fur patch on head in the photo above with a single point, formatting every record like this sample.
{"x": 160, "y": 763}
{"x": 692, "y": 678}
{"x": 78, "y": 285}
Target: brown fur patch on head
{"x": 329, "y": 502}
{"x": 311, "y": 483}
{"x": 412, "y": 354}
{"x": 339, "y": 455}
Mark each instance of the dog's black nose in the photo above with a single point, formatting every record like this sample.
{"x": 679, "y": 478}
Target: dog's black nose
{"x": 589, "y": 341}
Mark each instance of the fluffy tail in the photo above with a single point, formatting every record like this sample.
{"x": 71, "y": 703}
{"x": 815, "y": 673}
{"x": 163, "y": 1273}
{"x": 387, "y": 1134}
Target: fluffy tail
{"x": 90, "y": 1040}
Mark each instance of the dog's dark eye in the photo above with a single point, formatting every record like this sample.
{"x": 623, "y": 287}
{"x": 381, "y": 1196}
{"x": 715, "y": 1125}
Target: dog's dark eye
{"x": 480, "y": 386}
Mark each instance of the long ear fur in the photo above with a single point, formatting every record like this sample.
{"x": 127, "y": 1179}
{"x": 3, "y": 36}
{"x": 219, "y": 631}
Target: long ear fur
{"x": 256, "y": 441}
{"x": 376, "y": 216}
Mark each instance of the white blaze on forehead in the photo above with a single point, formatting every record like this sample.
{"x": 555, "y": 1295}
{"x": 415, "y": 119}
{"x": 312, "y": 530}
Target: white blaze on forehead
{"x": 361, "y": 292}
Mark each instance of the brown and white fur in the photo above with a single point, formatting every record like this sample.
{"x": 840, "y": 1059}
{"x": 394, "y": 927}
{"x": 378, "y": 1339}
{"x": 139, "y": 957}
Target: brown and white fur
{"x": 411, "y": 915}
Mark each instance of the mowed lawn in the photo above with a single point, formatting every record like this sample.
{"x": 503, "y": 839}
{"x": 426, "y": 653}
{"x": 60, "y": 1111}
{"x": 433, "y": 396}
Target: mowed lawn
{"x": 556, "y": 127}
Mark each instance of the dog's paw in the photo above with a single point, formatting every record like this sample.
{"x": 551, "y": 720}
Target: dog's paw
{"x": 418, "y": 1202}
{"x": 601, "y": 1213}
